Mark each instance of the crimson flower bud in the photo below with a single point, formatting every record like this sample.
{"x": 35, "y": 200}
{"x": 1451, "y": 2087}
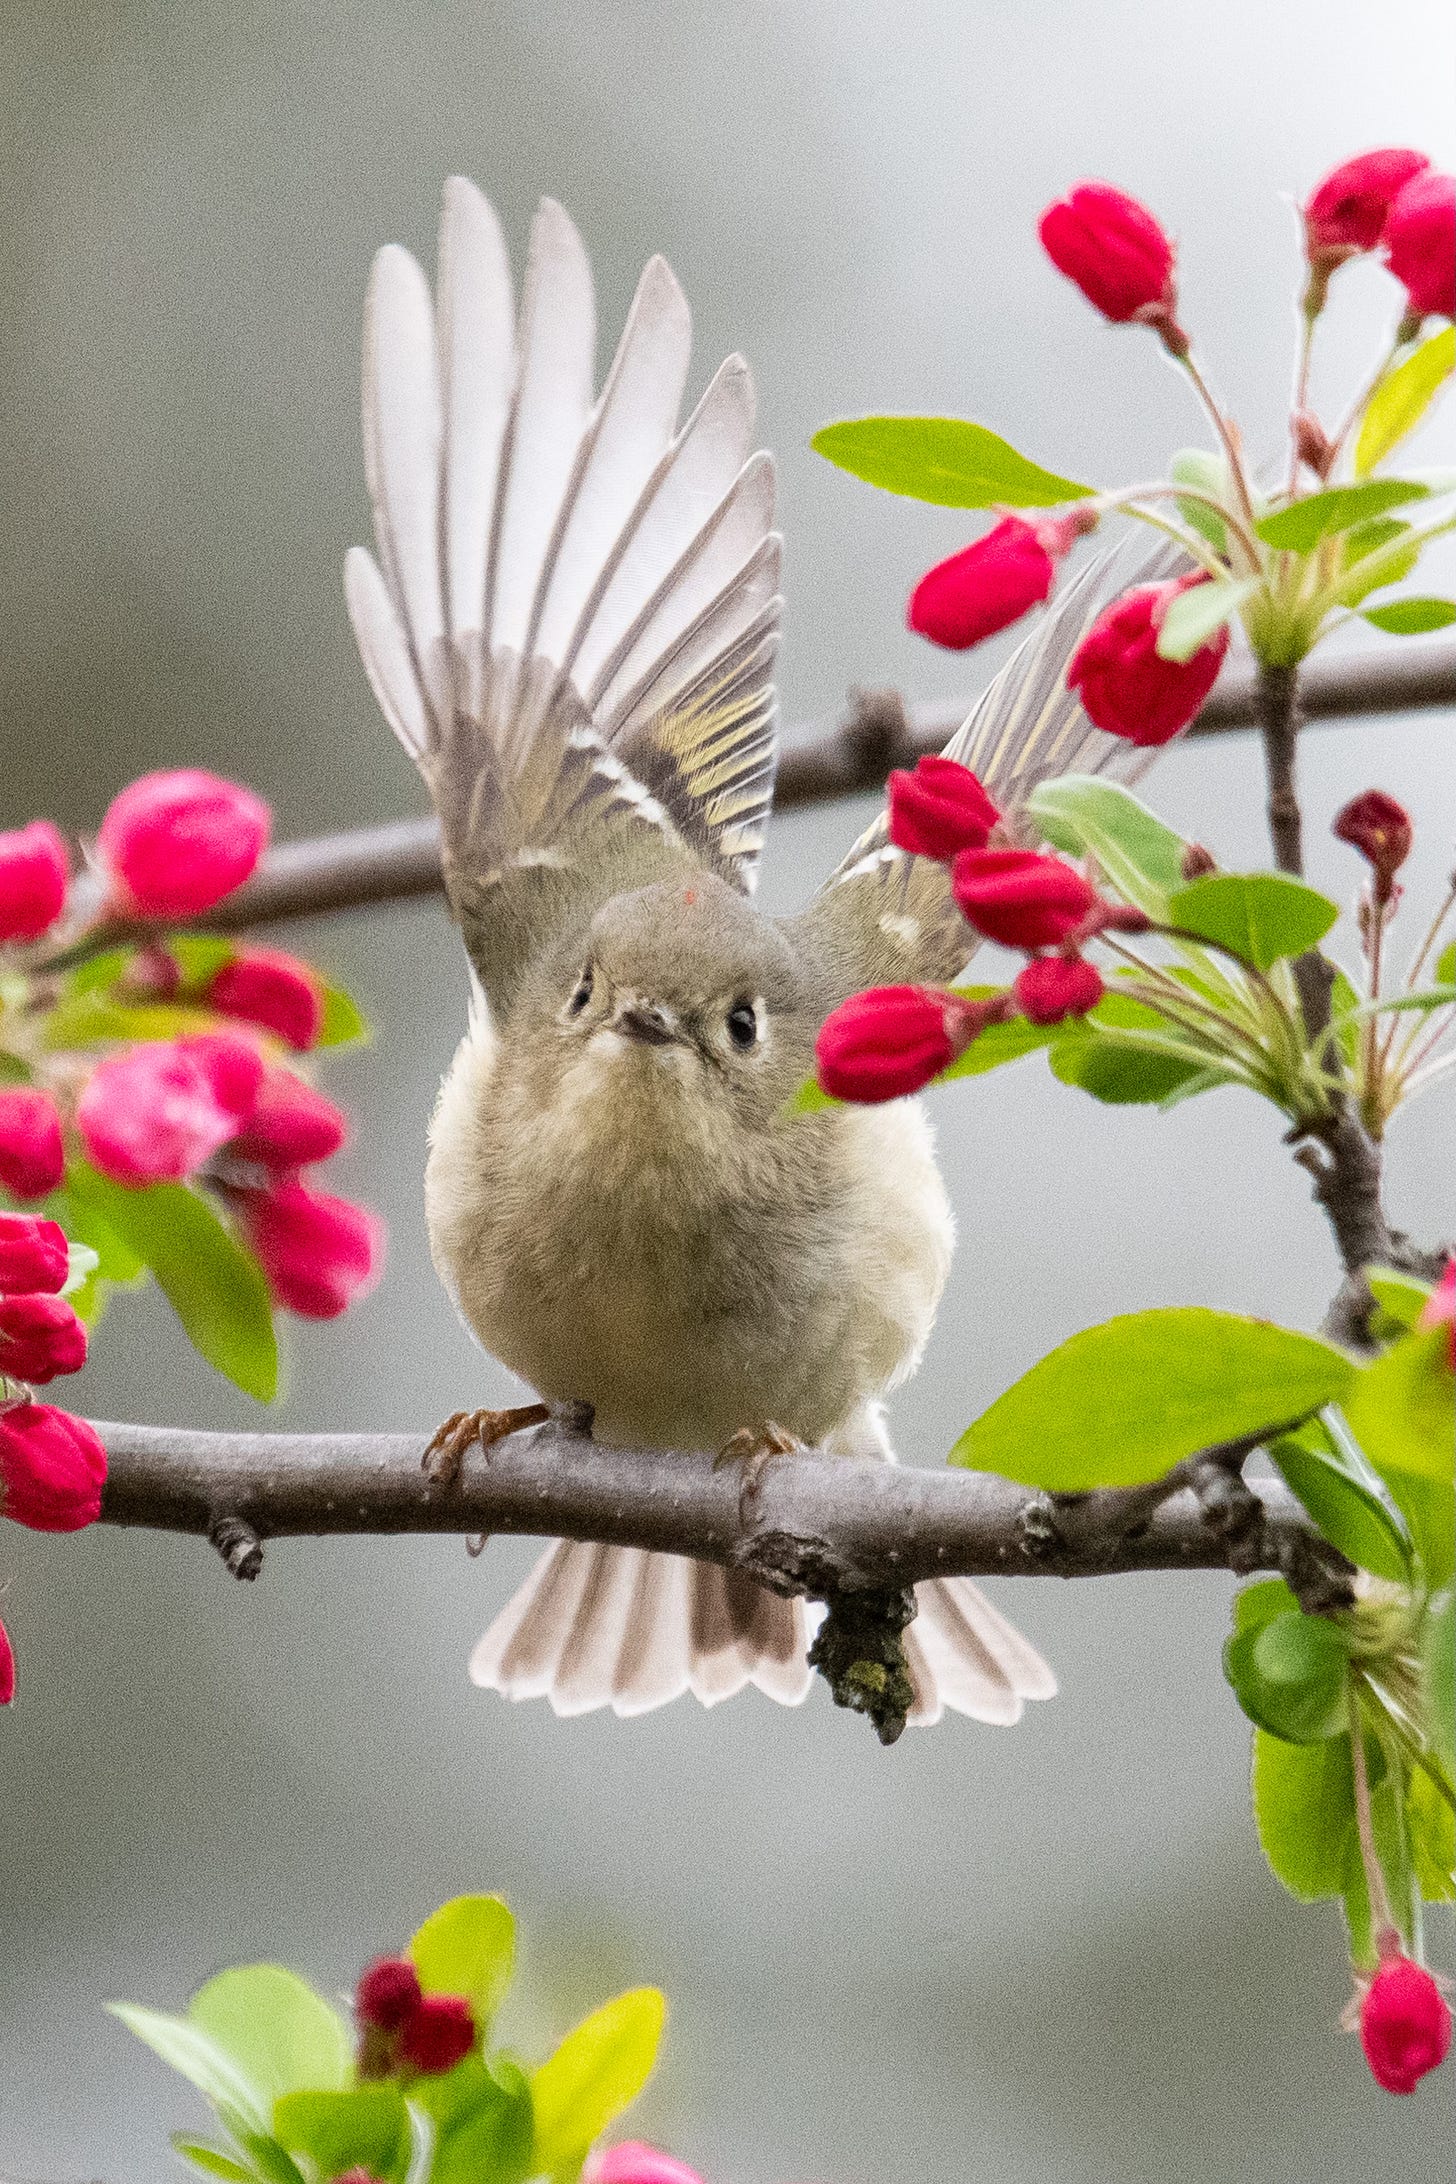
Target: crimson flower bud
{"x": 34, "y": 873}
{"x": 891, "y": 1041}
{"x": 1346, "y": 212}
{"x": 1420, "y": 243}
{"x": 176, "y": 843}
{"x": 1118, "y": 255}
{"x": 1381, "y": 830}
{"x": 1125, "y": 685}
{"x": 7, "y": 1668}
{"x": 991, "y": 584}
{"x": 156, "y": 1113}
{"x": 1405, "y": 2025}
{"x": 1313, "y": 444}
{"x": 1020, "y": 898}
{"x": 939, "y": 809}
{"x": 264, "y": 986}
{"x": 635, "y": 2163}
{"x": 40, "y": 1338}
{"x": 319, "y": 1253}
{"x": 291, "y": 1124}
{"x": 34, "y": 1254}
{"x": 32, "y": 1158}
{"x": 52, "y": 1468}
{"x": 1439, "y": 1309}
{"x": 438, "y": 2033}
{"x": 1052, "y": 987}
{"x": 1196, "y": 862}
{"x": 387, "y": 1991}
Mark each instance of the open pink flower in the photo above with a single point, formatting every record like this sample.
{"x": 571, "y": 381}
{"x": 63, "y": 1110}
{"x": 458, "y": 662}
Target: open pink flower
{"x": 635, "y": 2163}
{"x": 156, "y": 1113}
{"x": 176, "y": 843}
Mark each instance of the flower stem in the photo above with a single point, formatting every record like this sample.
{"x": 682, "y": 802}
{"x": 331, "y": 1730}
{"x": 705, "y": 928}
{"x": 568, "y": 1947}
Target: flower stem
{"x": 1226, "y": 434}
{"x": 1381, "y": 1921}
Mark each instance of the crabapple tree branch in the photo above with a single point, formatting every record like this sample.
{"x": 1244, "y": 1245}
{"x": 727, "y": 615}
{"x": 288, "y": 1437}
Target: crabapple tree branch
{"x": 815, "y": 1524}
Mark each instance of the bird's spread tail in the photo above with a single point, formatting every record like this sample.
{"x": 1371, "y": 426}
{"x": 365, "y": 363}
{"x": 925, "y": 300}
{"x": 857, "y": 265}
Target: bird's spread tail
{"x": 596, "y": 1626}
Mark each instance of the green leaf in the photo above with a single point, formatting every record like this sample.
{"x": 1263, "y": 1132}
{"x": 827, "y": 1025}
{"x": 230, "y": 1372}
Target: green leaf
{"x": 1304, "y": 1809}
{"x": 215, "y": 1287}
{"x": 281, "y": 2035}
{"x": 467, "y": 1947}
{"x": 1400, "y": 1296}
{"x": 598, "y": 2070}
{"x": 1402, "y": 399}
{"x": 943, "y": 459}
{"x": 343, "y": 1023}
{"x": 482, "y": 2116}
{"x": 1138, "y": 855}
{"x": 1257, "y": 1604}
{"x": 1199, "y": 614}
{"x": 811, "y": 1099}
{"x": 998, "y": 1044}
{"x": 1360, "y": 548}
{"x": 1402, "y": 1411}
{"x": 1125, "y": 1068}
{"x": 98, "y": 971}
{"x": 1446, "y": 965}
{"x": 200, "y": 956}
{"x": 1344, "y": 1002}
{"x": 1342, "y": 1494}
{"x": 202, "y": 2060}
{"x": 1300, "y": 527}
{"x": 1120, "y": 1404}
{"x": 269, "y": 2160}
{"x": 212, "y": 2160}
{"x": 1290, "y": 1676}
{"x": 365, "y": 2127}
{"x": 1412, "y": 617}
{"x": 1260, "y": 916}
{"x": 1431, "y": 1825}
{"x": 1195, "y": 466}
{"x": 1438, "y": 1679}
{"x": 94, "y": 1019}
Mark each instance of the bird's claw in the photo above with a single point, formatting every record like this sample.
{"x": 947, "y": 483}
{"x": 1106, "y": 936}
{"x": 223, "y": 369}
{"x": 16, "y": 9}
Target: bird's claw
{"x": 753, "y": 1449}
{"x": 444, "y": 1458}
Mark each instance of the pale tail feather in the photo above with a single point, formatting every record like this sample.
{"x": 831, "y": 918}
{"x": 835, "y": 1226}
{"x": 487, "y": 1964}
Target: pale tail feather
{"x": 596, "y": 1626}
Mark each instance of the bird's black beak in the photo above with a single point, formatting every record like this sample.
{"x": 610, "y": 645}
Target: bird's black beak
{"x": 645, "y": 1022}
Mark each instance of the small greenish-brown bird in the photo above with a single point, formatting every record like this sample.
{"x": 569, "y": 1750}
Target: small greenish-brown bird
{"x": 571, "y": 626}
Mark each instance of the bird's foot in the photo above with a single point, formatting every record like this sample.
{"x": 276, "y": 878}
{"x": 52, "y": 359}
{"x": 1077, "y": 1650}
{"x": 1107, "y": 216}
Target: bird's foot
{"x": 753, "y": 1449}
{"x": 463, "y": 1430}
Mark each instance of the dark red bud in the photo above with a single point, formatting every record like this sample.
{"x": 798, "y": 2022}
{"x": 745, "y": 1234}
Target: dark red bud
{"x": 1380, "y": 829}
{"x": 438, "y": 2033}
{"x": 1346, "y": 212}
{"x": 1197, "y": 862}
{"x": 386, "y": 1993}
{"x": 1053, "y": 987}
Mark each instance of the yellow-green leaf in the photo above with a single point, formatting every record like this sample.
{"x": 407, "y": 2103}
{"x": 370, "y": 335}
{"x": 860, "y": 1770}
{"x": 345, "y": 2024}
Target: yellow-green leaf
{"x": 598, "y": 2070}
{"x": 1401, "y": 401}
{"x": 467, "y": 1947}
{"x": 947, "y": 460}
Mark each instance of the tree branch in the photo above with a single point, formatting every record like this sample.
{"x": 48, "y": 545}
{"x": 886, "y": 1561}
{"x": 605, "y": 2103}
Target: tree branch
{"x": 816, "y": 1525}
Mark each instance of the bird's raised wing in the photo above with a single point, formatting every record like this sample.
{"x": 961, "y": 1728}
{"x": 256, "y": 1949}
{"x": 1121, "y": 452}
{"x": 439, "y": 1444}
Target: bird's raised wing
{"x": 884, "y": 917}
{"x": 572, "y": 619}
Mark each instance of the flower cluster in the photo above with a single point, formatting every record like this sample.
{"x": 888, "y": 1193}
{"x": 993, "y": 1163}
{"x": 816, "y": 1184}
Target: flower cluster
{"x": 402, "y": 2030}
{"x": 893, "y": 1040}
{"x": 165, "y": 1062}
{"x": 52, "y": 1466}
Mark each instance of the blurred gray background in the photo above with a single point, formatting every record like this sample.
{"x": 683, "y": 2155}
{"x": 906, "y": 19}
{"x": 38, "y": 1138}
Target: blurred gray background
{"x": 1049, "y": 1954}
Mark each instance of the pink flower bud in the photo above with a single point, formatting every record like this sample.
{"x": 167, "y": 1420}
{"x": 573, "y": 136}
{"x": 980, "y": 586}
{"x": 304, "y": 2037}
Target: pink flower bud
{"x": 939, "y": 809}
{"x": 891, "y": 1041}
{"x": 1125, "y": 685}
{"x": 264, "y": 986}
{"x": 1118, "y": 255}
{"x": 52, "y": 1468}
{"x": 1405, "y": 2025}
{"x": 7, "y": 1668}
{"x": 32, "y": 1158}
{"x": 156, "y": 1113}
{"x": 1420, "y": 243}
{"x": 1020, "y": 898}
{"x": 1439, "y": 1309}
{"x": 438, "y": 2033}
{"x": 1052, "y": 987}
{"x": 176, "y": 843}
{"x": 357, "y": 2175}
{"x": 634, "y": 2163}
{"x": 291, "y": 1124}
{"x": 1381, "y": 830}
{"x": 40, "y": 1338}
{"x": 387, "y": 1991}
{"x": 34, "y": 1254}
{"x": 319, "y": 1253}
{"x": 1346, "y": 211}
{"x": 34, "y": 872}
{"x": 988, "y": 586}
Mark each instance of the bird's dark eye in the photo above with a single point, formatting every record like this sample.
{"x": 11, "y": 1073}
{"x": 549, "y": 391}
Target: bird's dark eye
{"x": 743, "y": 1024}
{"x": 582, "y": 994}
